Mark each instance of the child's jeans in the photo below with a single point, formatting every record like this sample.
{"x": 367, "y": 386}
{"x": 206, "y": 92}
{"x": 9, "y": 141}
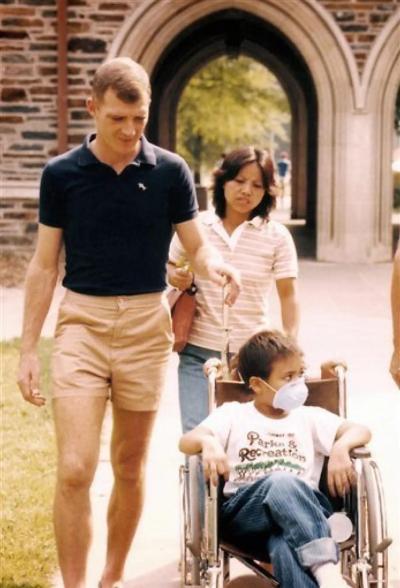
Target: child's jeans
{"x": 281, "y": 518}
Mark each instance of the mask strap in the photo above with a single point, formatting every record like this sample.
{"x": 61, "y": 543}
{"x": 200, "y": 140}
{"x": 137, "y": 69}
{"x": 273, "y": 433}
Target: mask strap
{"x": 269, "y": 385}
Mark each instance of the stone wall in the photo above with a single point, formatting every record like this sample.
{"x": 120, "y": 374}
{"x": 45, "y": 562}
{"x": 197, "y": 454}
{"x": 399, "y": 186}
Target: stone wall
{"x": 361, "y": 21}
{"x": 18, "y": 221}
{"x": 28, "y": 114}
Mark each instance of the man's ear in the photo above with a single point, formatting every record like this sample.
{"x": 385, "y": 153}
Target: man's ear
{"x": 90, "y": 105}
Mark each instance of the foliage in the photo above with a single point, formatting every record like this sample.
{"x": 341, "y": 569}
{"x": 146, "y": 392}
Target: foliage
{"x": 28, "y": 558}
{"x": 229, "y": 103}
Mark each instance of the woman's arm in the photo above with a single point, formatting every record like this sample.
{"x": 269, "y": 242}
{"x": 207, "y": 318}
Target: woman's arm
{"x": 290, "y": 309}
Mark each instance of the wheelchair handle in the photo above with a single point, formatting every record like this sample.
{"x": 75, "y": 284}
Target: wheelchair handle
{"x": 383, "y": 545}
{"x": 225, "y": 330}
{"x": 212, "y": 367}
{"x": 340, "y": 371}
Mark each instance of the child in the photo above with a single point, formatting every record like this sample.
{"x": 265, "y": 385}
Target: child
{"x": 271, "y": 452}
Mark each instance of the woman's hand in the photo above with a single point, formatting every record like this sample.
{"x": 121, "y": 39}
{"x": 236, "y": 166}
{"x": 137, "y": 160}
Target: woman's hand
{"x": 179, "y": 277}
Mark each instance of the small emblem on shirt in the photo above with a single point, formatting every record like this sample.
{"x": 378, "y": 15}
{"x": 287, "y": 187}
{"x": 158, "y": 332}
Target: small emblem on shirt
{"x": 141, "y": 186}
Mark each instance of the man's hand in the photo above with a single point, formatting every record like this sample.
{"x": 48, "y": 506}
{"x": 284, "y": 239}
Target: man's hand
{"x": 28, "y": 378}
{"x": 395, "y": 367}
{"x": 341, "y": 474}
{"x": 221, "y": 273}
{"x": 215, "y": 461}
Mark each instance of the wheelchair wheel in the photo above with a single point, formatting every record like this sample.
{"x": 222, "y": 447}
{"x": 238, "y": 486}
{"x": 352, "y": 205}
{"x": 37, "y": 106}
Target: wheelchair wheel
{"x": 371, "y": 540}
{"x": 212, "y": 578}
{"x": 377, "y": 528}
{"x": 190, "y": 531}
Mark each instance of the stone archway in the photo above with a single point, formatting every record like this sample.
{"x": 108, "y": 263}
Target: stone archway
{"x": 340, "y": 97}
{"x": 232, "y": 32}
{"x": 383, "y": 64}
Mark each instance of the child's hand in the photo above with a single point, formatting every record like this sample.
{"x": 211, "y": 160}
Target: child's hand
{"x": 341, "y": 474}
{"x": 215, "y": 461}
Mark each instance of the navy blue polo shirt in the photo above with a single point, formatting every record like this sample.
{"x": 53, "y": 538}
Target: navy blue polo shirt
{"x": 117, "y": 227}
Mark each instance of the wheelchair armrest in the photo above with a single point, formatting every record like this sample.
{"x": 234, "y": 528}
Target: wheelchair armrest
{"x": 360, "y": 452}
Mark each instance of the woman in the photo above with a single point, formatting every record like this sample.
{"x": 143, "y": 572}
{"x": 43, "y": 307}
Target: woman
{"x": 261, "y": 249}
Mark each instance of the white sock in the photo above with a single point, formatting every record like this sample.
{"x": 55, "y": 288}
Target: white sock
{"x": 328, "y": 575}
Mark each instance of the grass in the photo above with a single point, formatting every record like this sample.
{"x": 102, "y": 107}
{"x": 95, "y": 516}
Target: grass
{"x": 28, "y": 558}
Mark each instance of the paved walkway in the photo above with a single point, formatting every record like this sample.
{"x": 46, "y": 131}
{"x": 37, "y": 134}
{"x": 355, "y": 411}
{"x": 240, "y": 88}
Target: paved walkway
{"x": 345, "y": 314}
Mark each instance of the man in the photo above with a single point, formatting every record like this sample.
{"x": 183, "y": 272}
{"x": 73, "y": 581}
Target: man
{"x": 395, "y": 303}
{"x": 113, "y": 202}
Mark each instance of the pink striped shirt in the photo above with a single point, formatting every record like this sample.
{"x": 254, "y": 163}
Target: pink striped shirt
{"x": 263, "y": 251}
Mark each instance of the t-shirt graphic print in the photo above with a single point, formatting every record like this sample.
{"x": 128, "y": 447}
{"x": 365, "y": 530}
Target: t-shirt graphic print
{"x": 257, "y": 445}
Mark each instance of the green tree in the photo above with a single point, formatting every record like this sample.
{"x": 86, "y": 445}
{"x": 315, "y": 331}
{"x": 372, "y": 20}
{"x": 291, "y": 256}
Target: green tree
{"x": 228, "y": 103}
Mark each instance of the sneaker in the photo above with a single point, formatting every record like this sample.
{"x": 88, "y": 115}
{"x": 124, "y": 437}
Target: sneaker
{"x": 328, "y": 576}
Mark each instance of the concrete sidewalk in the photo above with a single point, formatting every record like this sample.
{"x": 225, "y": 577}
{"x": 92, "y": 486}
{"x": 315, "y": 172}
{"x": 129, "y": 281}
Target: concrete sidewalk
{"x": 345, "y": 314}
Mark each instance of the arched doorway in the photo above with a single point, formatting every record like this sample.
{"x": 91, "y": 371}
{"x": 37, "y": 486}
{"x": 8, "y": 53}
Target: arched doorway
{"x": 309, "y": 54}
{"x": 233, "y": 32}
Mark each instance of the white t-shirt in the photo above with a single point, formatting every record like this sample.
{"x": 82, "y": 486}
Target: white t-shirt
{"x": 257, "y": 445}
{"x": 263, "y": 251}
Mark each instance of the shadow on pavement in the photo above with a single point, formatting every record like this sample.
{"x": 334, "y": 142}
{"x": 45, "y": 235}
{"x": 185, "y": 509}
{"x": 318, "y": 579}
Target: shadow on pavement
{"x": 163, "y": 577}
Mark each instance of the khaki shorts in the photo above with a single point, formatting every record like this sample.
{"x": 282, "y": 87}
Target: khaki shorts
{"x": 114, "y": 347}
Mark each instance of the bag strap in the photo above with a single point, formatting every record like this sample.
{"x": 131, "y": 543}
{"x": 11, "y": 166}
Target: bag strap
{"x": 192, "y": 289}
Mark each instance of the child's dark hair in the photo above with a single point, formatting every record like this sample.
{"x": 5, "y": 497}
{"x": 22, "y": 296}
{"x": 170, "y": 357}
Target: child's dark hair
{"x": 229, "y": 169}
{"x": 257, "y": 356}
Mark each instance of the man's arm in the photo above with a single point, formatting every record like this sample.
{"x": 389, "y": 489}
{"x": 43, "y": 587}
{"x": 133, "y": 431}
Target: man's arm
{"x": 215, "y": 461}
{"x": 205, "y": 260}
{"x": 40, "y": 282}
{"x": 290, "y": 309}
{"x": 340, "y": 467}
{"x": 395, "y": 304}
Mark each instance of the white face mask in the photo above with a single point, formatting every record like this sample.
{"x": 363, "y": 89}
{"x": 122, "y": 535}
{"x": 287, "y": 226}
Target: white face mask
{"x": 292, "y": 395}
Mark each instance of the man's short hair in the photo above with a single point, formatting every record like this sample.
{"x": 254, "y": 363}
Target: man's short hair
{"x": 128, "y": 79}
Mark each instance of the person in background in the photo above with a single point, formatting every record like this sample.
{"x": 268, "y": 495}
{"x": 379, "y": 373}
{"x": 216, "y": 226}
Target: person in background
{"x": 263, "y": 251}
{"x": 284, "y": 170}
{"x": 113, "y": 201}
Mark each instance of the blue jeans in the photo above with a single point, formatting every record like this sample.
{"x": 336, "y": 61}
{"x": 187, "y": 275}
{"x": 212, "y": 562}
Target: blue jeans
{"x": 193, "y": 386}
{"x": 282, "y": 519}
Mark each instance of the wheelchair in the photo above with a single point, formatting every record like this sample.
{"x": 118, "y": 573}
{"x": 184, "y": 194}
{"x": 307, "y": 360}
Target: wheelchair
{"x": 360, "y": 531}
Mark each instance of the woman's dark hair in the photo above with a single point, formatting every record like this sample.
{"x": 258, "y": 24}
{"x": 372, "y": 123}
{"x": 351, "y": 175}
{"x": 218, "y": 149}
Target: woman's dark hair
{"x": 229, "y": 169}
{"x": 257, "y": 356}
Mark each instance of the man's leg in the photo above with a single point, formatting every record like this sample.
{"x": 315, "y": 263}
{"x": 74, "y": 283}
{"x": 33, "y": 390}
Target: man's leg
{"x": 78, "y": 423}
{"x": 129, "y": 449}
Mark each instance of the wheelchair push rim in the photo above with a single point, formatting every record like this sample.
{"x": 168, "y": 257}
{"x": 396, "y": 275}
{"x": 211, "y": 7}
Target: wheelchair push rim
{"x": 372, "y": 540}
